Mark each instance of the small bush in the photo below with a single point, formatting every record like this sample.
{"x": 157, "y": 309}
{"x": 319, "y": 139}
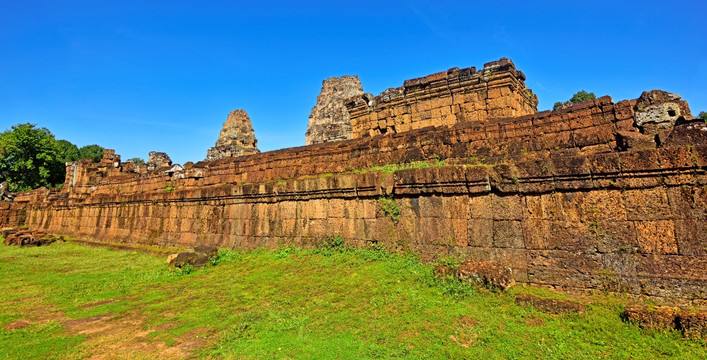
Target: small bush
{"x": 284, "y": 251}
{"x": 186, "y": 269}
{"x": 334, "y": 242}
{"x": 170, "y": 187}
{"x": 390, "y": 208}
{"x": 224, "y": 256}
{"x": 703, "y": 116}
{"x": 137, "y": 161}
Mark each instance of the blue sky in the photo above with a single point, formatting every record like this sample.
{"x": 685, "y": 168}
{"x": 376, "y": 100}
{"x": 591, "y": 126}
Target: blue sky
{"x": 139, "y": 76}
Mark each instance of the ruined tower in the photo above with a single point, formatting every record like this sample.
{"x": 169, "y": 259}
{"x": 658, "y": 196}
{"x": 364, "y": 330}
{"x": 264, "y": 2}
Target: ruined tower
{"x": 237, "y": 138}
{"x": 329, "y": 120}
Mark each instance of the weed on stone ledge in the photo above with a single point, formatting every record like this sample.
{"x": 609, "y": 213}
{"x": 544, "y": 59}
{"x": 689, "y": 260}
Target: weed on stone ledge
{"x": 390, "y": 208}
{"x": 170, "y": 187}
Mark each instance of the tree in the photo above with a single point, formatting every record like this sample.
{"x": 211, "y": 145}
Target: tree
{"x": 30, "y": 158}
{"x": 576, "y": 98}
{"x": 67, "y": 151}
{"x": 703, "y": 116}
{"x": 93, "y": 152}
{"x": 137, "y": 161}
{"x": 582, "y": 96}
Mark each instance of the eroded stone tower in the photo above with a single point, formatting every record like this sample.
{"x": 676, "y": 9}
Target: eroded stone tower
{"x": 237, "y": 138}
{"x": 329, "y": 120}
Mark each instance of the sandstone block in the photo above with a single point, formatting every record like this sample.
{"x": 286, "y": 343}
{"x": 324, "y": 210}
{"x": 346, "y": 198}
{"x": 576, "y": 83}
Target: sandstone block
{"x": 486, "y": 273}
{"x": 658, "y": 318}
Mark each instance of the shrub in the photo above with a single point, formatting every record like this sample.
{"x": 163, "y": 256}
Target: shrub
{"x": 578, "y": 97}
{"x": 390, "y": 208}
{"x": 334, "y": 242}
{"x": 137, "y": 161}
{"x": 170, "y": 187}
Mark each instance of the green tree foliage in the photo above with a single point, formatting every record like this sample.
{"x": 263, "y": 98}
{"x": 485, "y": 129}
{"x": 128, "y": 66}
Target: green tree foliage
{"x": 67, "y": 151}
{"x": 703, "y": 116}
{"x": 576, "y": 98}
{"x": 93, "y": 152}
{"x": 582, "y": 96}
{"x": 137, "y": 161}
{"x": 30, "y": 158}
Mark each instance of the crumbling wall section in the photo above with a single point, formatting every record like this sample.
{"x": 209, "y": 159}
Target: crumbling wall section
{"x": 445, "y": 99}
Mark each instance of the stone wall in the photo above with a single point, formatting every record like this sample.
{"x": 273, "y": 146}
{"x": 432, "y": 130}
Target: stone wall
{"x": 445, "y": 99}
{"x": 549, "y": 194}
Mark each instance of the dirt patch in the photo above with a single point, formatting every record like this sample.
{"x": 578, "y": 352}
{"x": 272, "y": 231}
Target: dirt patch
{"x": 535, "y": 322}
{"x": 110, "y": 336}
{"x": 17, "y": 325}
{"x": 465, "y": 340}
{"x": 164, "y": 327}
{"x": 467, "y": 321}
{"x": 25, "y": 299}
{"x": 80, "y": 322}
{"x": 98, "y": 303}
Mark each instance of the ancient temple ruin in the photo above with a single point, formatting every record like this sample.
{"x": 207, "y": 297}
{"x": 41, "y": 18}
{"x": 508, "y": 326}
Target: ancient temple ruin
{"x": 600, "y": 195}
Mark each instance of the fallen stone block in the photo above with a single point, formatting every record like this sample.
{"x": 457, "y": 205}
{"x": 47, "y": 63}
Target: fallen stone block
{"x": 658, "y": 318}
{"x": 486, "y": 273}
{"x": 692, "y": 325}
{"x": 209, "y": 251}
{"x": 188, "y": 258}
{"x": 550, "y": 306}
{"x": 634, "y": 140}
{"x": 24, "y": 238}
{"x": 201, "y": 256}
{"x": 7, "y": 232}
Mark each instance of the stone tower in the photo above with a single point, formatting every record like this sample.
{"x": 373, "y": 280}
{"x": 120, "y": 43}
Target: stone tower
{"x": 329, "y": 120}
{"x": 237, "y": 138}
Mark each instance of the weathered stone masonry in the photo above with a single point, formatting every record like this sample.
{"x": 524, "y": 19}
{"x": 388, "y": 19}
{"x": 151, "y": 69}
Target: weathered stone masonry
{"x": 445, "y": 99}
{"x": 547, "y": 193}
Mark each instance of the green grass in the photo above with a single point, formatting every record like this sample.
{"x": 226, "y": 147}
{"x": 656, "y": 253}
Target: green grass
{"x": 331, "y": 303}
{"x": 391, "y": 168}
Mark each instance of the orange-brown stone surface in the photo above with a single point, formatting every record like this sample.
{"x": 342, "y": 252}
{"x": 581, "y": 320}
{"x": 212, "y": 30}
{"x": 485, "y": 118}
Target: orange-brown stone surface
{"x": 550, "y": 194}
{"x": 330, "y": 120}
{"x": 444, "y": 99}
{"x": 237, "y": 138}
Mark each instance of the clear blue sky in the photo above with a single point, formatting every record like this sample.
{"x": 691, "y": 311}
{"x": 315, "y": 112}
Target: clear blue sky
{"x": 143, "y": 75}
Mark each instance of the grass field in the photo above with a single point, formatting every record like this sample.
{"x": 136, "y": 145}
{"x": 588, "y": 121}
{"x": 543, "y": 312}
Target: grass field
{"x": 69, "y": 301}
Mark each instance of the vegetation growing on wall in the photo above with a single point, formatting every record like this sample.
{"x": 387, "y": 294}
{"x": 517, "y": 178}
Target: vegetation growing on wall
{"x": 390, "y": 208}
{"x": 576, "y": 98}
